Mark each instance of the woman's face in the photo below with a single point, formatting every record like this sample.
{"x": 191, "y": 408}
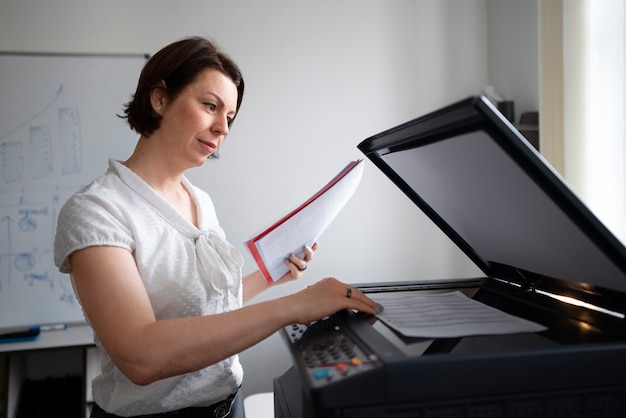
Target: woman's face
{"x": 195, "y": 123}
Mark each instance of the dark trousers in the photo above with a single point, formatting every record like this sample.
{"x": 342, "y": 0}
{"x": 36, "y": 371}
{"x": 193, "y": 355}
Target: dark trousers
{"x": 230, "y": 408}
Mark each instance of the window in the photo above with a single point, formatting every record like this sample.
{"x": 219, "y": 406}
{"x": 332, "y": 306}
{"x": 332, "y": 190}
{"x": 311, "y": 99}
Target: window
{"x": 583, "y": 101}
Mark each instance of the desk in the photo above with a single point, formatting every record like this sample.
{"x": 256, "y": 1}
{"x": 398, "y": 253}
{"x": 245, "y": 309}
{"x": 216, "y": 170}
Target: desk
{"x": 52, "y": 354}
{"x": 80, "y": 335}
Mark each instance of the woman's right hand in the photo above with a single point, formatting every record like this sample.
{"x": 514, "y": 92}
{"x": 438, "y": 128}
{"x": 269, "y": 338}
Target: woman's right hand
{"x": 327, "y": 297}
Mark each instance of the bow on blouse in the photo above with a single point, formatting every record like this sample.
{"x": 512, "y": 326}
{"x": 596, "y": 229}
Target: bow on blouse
{"x": 220, "y": 261}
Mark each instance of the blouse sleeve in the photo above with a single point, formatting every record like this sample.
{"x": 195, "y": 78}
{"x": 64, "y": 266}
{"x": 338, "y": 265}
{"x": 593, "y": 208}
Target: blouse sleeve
{"x": 87, "y": 220}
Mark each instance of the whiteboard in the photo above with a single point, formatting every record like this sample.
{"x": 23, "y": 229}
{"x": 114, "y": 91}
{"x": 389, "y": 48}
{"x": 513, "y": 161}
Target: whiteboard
{"x": 58, "y": 127}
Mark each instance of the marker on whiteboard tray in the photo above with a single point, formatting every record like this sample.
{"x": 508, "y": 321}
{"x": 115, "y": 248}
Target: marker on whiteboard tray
{"x": 56, "y": 327}
{"x": 16, "y": 336}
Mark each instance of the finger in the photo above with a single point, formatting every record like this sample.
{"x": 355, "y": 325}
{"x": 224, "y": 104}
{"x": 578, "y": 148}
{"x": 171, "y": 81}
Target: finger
{"x": 308, "y": 252}
{"x": 359, "y": 297}
{"x": 299, "y": 263}
{"x": 292, "y": 273}
{"x": 295, "y": 269}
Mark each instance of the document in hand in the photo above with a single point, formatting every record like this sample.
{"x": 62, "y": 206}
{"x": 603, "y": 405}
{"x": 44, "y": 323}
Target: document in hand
{"x": 304, "y": 225}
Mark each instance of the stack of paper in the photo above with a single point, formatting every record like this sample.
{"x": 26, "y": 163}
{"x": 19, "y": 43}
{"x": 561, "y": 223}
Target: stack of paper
{"x": 304, "y": 225}
{"x": 447, "y": 315}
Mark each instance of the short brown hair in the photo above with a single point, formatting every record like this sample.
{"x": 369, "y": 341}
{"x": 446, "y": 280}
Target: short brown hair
{"x": 177, "y": 64}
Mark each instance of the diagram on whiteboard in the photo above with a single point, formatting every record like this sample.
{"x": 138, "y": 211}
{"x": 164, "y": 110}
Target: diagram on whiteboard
{"x": 40, "y": 160}
{"x": 58, "y": 128}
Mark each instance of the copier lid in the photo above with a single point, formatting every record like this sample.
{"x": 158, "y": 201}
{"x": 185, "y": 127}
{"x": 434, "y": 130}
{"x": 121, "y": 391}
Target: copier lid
{"x": 485, "y": 186}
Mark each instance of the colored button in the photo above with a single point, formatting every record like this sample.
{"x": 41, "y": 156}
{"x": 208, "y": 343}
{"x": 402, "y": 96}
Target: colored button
{"x": 356, "y": 361}
{"x": 321, "y": 373}
{"x": 342, "y": 367}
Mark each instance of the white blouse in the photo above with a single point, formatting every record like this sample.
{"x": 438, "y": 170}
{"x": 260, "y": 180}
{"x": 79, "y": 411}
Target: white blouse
{"x": 187, "y": 271}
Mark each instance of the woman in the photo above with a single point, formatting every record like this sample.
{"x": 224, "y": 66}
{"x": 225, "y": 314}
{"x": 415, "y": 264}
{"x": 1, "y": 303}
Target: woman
{"x": 155, "y": 276}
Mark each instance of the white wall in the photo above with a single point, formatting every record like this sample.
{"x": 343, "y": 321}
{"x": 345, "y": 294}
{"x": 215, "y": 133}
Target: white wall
{"x": 513, "y": 57}
{"x": 321, "y": 76}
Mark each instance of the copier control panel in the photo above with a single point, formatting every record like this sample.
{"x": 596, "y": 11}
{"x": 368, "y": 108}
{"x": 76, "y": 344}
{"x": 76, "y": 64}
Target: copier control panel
{"x": 327, "y": 352}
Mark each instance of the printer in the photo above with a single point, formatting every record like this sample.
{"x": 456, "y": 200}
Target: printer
{"x": 545, "y": 257}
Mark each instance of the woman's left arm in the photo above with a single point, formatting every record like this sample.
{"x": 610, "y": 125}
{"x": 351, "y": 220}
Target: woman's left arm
{"x": 255, "y": 283}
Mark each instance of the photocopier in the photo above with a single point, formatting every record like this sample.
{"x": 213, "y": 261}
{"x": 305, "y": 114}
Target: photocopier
{"x": 545, "y": 256}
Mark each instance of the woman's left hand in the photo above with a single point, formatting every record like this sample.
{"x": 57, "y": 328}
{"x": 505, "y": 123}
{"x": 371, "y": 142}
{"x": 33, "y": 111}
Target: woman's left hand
{"x": 297, "y": 265}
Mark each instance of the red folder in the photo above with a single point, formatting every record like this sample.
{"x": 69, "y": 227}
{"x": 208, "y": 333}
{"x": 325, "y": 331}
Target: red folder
{"x": 303, "y": 225}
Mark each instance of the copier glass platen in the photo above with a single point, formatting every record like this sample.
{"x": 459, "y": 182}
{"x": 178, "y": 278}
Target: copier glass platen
{"x": 545, "y": 257}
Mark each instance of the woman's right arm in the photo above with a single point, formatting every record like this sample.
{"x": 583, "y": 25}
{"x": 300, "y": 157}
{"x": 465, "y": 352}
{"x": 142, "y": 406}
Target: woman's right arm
{"x": 115, "y": 300}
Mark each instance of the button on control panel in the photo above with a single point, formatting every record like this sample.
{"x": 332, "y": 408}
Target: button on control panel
{"x": 327, "y": 352}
